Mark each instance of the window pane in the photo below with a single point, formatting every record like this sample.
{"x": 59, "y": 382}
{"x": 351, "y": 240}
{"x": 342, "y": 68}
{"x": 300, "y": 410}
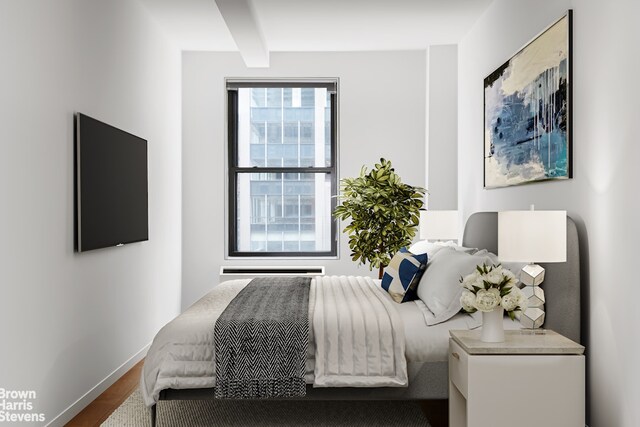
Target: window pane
{"x": 284, "y": 212}
{"x": 259, "y": 114}
{"x": 327, "y": 141}
{"x": 258, "y": 97}
{"x": 307, "y": 207}
{"x": 296, "y": 116}
{"x": 306, "y": 133}
{"x": 274, "y": 97}
{"x": 291, "y": 133}
{"x": 274, "y": 246}
{"x": 274, "y": 133}
{"x": 308, "y": 96}
{"x": 290, "y": 162}
{"x": 292, "y": 246}
{"x": 258, "y": 155}
{"x": 287, "y": 96}
{"x": 306, "y": 246}
{"x": 291, "y": 207}
{"x": 258, "y": 132}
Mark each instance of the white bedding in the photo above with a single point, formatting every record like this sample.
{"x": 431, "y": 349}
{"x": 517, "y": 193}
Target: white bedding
{"x": 358, "y": 334}
{"x": 428, "y": 343}
{"x": 431, "y": 343}
{"x": 182, "y": 355}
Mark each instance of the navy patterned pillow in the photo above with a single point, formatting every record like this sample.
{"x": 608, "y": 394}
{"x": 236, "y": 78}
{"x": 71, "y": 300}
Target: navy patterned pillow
{"x": 402, "y": 275}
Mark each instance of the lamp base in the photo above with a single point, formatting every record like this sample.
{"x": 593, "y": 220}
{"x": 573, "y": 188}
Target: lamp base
{"x": 532, "y": 318}
{"x": 534, "y": 295}
{"x": 532, "y": 275}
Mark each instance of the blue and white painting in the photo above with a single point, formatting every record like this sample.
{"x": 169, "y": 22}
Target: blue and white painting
{"x": 526, "y": 123}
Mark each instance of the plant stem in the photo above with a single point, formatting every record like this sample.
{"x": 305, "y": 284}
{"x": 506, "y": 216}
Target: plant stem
{"x": 381, "y": 249}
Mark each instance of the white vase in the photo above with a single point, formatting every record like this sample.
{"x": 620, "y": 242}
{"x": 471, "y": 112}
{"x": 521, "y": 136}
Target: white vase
{"x": 493, "y": 326}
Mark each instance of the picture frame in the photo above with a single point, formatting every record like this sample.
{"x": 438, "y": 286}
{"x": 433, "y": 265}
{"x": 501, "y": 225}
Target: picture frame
{"x": 528, "y": 112}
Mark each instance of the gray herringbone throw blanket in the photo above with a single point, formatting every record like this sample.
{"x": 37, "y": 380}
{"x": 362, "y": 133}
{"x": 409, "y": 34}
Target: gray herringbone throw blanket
{"x": 261, "y": 340}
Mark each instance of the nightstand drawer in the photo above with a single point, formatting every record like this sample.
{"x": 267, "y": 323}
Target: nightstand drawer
{"x": 458, "y": 367}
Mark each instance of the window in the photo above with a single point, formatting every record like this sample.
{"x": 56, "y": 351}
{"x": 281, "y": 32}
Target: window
{"x": 282, "y": 168}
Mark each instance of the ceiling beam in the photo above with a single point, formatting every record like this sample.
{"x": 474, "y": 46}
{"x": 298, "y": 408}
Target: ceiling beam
{"x": 241, "y": 20}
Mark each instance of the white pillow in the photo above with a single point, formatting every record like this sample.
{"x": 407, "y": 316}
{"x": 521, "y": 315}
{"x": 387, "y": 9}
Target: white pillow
{"x": 456, "y": 246}
{"x": 473, "y": 320}
{"x": 432, "y": 248}
{"x": 440, "y": 287}
{"x": 425, "y": 247}
{"x": 429, "y": 248}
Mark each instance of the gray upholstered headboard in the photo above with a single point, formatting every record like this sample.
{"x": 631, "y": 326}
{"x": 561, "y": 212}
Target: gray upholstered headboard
{"x": 562, "y": 280}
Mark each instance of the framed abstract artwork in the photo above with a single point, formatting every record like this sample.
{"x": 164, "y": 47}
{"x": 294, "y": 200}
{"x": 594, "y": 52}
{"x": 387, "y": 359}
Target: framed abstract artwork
{"x": 527, "y": 112}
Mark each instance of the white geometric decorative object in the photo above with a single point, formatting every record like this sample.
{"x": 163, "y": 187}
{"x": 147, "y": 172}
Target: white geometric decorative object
{"x": 532, "y": 318}
{"x": 534, "y": 296}
{"x": 532, "y": 274}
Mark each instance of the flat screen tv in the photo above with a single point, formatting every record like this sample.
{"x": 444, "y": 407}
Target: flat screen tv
{"x": 111, "y": 186}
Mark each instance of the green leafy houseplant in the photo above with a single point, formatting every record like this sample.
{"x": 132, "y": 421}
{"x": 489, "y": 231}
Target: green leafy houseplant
{"x": 384, "y": 214}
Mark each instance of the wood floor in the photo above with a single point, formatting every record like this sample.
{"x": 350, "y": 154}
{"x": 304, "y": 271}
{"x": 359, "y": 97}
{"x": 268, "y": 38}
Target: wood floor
{"x": 100, "y": 409}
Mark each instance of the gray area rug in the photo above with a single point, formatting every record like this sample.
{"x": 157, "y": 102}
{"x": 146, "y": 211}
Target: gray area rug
{"x": 133, "y": 413}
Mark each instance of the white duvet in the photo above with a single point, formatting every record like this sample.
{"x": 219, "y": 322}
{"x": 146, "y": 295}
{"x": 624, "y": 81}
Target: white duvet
{"x": 357, "y": 339}
{"x": 359, "y": 335}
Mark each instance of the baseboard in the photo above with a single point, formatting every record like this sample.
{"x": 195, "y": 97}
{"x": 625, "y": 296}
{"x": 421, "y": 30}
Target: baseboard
{"x": 77, "y": 406}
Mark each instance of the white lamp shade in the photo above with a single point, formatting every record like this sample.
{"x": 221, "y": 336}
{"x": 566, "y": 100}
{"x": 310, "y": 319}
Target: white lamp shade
{"x": 439, "y": 225}
{"x": 532, "y": 236}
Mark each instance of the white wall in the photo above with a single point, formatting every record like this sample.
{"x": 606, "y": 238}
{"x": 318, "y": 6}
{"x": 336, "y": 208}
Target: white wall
{"x": 382, "y": 114}
{"x": 69, "y": 320}
{"x": 602, "y": 197}
{"x": 442, "y": 127}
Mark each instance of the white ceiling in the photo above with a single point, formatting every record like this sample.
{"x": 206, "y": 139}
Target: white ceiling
{"x": 192, "y": 24}
{"x": 322, "y": 25}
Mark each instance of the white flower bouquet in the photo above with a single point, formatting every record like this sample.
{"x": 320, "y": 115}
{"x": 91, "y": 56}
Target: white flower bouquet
{"x": 490, "y": 287}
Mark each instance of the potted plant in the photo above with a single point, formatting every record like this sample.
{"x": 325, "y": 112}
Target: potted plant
{"x": 384, "y": 214}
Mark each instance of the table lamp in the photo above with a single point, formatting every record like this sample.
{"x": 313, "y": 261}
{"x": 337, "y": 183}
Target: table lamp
{"x": 439, "y": 225}
{"x": 532, "y": 236}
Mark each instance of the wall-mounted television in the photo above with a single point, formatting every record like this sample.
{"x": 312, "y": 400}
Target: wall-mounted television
{"x": 111, "y": 185}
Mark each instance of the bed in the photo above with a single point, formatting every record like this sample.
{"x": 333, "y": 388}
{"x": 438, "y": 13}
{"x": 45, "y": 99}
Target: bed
{"x": 425, "y": 347}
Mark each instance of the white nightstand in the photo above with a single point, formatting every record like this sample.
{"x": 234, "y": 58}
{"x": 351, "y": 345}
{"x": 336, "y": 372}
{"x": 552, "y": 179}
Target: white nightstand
{"x": 528, "y": 380}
